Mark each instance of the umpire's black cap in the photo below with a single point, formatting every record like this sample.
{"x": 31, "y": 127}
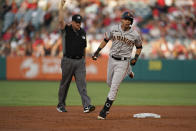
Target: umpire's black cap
{"x": 127, "y": 16}
{"x": 77, "y": 18}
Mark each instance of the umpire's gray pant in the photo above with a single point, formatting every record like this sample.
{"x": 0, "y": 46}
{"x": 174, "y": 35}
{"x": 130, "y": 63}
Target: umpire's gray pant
{"x": 70, "y": 68}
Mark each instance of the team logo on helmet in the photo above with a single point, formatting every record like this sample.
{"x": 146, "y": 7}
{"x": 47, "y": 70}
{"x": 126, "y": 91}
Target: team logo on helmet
{"x": 128, "y": 14}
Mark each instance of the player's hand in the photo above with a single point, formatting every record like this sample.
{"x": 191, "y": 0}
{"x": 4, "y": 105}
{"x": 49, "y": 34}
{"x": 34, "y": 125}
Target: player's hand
{"x": 95, "y": 56}
{"x": 133, "y": 61}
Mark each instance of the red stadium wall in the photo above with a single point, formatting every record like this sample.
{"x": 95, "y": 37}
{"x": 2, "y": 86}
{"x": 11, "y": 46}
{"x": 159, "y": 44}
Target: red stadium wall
{"x": 48, "y": 68}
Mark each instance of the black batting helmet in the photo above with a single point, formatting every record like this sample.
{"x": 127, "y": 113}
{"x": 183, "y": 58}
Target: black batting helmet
{"x": 128, "y": 16}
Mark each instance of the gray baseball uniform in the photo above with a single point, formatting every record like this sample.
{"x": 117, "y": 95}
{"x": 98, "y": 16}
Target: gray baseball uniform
{"x": 120, "y": 55}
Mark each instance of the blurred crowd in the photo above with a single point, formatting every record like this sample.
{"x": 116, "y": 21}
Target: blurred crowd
{"x": 30, "y": 27}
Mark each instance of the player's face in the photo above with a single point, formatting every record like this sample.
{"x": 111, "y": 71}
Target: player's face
{"x": 76, "y": 25}
{"x": 126, "y": 23}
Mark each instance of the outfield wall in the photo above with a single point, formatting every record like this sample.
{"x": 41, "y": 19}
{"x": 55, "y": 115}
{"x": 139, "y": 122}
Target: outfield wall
{"x": 165, "y": 70}
{"x": 2, "y": 68}
{"x": 48, "y": 68}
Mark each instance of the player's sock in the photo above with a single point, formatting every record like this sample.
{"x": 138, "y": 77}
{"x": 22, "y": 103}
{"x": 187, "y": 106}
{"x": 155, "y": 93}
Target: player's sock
{"x": 107, "y": 105}
{"x": 106, "y": 108}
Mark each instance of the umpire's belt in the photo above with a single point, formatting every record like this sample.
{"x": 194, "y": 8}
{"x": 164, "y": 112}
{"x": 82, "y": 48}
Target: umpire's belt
{"x": 73, "y": 57}
{"x": 120, "y": 58}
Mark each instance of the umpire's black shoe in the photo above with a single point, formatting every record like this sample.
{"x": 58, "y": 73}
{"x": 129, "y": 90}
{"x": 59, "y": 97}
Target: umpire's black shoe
{"x": 102, "y": 115}
{"x": 61, "y": 109}
{"x": 89, "y": 109}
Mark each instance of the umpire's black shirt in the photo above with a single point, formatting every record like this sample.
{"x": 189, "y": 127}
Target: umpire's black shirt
{"x": 74, "y": 42}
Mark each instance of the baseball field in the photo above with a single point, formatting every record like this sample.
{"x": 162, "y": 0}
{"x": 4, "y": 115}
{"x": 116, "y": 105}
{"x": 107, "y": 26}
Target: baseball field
{"x": 31, "y": 105}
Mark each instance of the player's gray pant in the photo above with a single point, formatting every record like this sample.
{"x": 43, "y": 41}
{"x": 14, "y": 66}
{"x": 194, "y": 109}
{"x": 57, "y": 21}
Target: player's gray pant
{"x": 116, "y": 72}
{"x": 76, "y": 68}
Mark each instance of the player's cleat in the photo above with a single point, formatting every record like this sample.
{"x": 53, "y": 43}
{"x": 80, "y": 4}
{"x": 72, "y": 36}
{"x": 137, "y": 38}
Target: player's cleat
{"x": 102, "y": 115}
{"x": 89, "y": 109}
{"x": 61, "y": 109}
{"x": 100, "y": 118}
{"x": 131, "y": 75}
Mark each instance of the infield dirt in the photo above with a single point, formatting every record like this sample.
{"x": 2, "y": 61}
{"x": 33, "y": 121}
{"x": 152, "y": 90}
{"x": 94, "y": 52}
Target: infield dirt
{"x": 173, "y": 118}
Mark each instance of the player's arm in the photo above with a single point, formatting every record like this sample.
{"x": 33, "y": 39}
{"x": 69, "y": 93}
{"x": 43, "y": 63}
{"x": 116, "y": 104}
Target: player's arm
{"x": 137, "y": 54}
{"x": 101, "y": 46}
{"x": 61, "y": 16}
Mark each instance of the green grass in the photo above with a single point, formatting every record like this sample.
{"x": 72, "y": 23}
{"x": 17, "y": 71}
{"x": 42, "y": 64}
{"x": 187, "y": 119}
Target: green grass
{"x": 43, "y": 93}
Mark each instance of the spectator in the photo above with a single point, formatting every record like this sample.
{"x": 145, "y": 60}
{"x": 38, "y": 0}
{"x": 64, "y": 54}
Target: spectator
{"x": 21, "y": 20}
{"x": 30, "y": 30}
{"x": 48, "y": 19}
{"x": 192, "y": 49}
{"x": 38, "y": 45}
{"x": 180, "y": 51}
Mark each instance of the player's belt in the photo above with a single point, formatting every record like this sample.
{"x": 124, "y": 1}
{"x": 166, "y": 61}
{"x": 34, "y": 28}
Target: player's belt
{"x": 119, "y": 58}
{"x": 73, "y": 57}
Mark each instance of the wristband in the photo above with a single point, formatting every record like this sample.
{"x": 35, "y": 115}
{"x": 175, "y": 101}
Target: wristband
{"x": 106, "y": 40}
{"x": 139, "y": 47}
{"x": 136, "y": 56}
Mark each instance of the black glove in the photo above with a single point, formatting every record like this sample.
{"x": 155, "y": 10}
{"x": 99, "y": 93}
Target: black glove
{"x": 94, "y": 57}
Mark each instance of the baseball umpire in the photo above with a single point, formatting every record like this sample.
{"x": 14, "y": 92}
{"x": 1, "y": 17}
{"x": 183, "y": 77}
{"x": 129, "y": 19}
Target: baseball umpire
{"x": 124, "y": 38}
{"x": 73, "y": 61}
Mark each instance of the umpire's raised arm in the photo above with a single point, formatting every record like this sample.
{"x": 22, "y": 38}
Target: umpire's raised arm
{"x": 61, "y": 16}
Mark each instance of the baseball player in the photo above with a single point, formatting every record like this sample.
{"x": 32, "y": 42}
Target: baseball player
{"x": 124, "y": 38}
